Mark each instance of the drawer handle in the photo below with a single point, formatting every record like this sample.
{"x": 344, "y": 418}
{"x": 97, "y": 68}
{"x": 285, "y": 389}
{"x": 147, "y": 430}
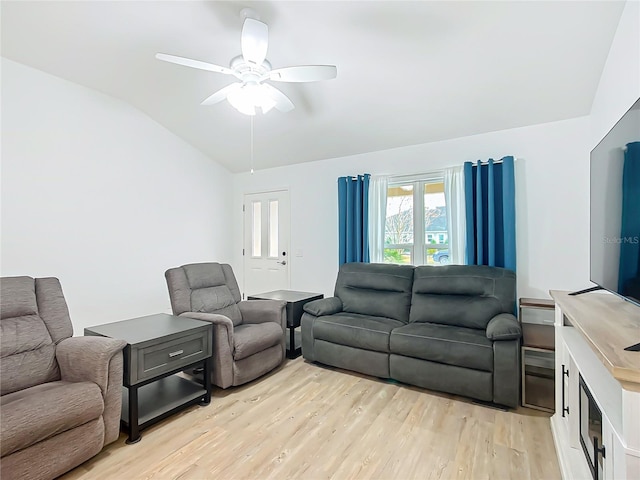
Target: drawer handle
{"x": 176, "y": 353}
{"x": 564, "y": 409}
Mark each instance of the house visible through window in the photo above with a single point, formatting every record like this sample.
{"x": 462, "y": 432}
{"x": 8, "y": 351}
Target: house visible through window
{"x": 430, "y": 246}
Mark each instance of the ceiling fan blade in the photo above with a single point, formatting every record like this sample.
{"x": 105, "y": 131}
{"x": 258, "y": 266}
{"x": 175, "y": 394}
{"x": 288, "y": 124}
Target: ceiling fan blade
{"x": 221, "y": 94}
{"x": 282, "y": 101}
{"x": 188, "y": 62}
{"x": 304, "y": 73}
{"x": 254, "y": 41}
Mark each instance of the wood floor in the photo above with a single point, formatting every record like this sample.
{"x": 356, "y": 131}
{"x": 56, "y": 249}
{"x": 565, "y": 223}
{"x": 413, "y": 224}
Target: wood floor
{"x": 305, "y": 421}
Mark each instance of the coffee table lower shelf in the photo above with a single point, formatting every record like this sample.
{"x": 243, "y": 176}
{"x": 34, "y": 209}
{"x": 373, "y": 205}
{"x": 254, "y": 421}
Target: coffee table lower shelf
{"x": 161, "y": 398}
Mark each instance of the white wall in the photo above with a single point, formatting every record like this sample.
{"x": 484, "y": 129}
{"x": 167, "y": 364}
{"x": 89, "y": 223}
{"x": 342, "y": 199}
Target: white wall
{"x": 551, "y": 197}
{"x": 619, "y": 85}
{"x": 552, "y": 183}
{"x": 97, "y": 194}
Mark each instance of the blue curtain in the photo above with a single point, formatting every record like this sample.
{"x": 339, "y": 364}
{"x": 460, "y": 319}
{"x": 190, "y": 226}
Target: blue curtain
{"x": 353, "y": 218}
{"x": 628, "y": 281}
{"x": 491, "y": 213}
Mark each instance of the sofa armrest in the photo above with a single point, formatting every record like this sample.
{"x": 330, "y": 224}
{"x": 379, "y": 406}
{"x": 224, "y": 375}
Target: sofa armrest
{"x": 324, "y": 306}
{"x": 261, "y": 311}
{"x": 99, "y": 360}
{"x": 86, "y": 359}
{"x": 504, "y": 327}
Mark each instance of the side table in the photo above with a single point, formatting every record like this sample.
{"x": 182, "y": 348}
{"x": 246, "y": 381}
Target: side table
{"x": 158, "y": 347}
{"x": 295, "y": 302}
{"x": 537, "y": 317}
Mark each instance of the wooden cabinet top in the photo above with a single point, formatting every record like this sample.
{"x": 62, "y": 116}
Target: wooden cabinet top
{"x": 609, "y": 324}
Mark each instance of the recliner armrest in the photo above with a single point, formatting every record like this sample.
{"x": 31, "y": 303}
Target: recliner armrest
{"x": 504, "y": 327}
{"x": 87, "y": 359}
{"x": 221, "y": 322}
{"x": 261, "y": 311}
{"x": 324, "y": 306}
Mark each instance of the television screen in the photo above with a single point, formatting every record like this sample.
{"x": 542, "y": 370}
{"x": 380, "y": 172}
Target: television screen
{"x": 615, "y": 208}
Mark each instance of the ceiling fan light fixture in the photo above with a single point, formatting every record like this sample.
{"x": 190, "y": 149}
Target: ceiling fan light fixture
{"x": 250, "y": 97}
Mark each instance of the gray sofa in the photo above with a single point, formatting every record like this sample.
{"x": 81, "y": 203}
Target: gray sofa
{"x": 446, "y": 328}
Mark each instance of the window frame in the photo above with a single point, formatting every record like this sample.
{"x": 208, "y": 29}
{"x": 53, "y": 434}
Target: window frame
{"x": 418, "y": 250}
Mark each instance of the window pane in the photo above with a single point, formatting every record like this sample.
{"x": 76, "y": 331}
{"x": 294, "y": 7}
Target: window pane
{"x": 256, "y": 233}
{"x": 273, "y": 228}
{"x": 399, "y": 219}
{"x": 397, "y": 255}
{"x": 435, "y": 224}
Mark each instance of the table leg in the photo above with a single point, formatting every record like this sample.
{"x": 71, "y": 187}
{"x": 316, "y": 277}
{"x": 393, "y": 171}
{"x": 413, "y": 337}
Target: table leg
{"x": 291, "y": 352}
{"x": 208, "y": 367}
{"x": 134, "y": 429}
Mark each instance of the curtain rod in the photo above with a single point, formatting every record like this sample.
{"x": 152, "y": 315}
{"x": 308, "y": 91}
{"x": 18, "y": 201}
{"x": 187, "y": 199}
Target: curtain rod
{"x": 416, "y": 176}
{"x": 486, "y": 162}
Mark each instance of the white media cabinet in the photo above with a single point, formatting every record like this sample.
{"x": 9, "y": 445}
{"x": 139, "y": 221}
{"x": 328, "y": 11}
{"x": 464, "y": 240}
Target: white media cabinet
{"x": 591, "y": 332}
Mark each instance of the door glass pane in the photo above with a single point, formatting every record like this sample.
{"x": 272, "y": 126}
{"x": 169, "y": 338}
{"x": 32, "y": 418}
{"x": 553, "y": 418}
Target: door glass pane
{"x": 273, "y": 228}
{"x": 256, "y": 230}
{"x": 435, "y": 224}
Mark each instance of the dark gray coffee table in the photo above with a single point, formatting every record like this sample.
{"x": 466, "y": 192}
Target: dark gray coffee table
{"x": 295, "y": 302}
{"x": 158, "y": 347}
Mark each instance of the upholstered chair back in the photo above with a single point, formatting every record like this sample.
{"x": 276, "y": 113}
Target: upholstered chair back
{"x": 34, "y": 318}
{"x": 206, "y": 288}
{"x": 462, "y": 295}
{"x": 382, "y": 290}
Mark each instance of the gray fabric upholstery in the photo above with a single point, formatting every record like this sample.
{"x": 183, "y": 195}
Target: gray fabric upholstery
{"x": 376, "y": 289}
{"x": 28, "y": 417}
{"x": 464, "y": 295}
{"x": 252, "y": 338}
{"x": 368, "y": 362}
{"x": 323, "y": 306}
{"x": 248, "y": 336}
{"x": 506, "y": 372}
{"x": 504, "y": 327}
{"x": 459, "y": 346}
{"x": 53, "y": 457}
{"x": 444, "y": 378}
{"x": 61, "y": 396}
{"x": 446, "y": 328}
{"x": 360, "y": 331}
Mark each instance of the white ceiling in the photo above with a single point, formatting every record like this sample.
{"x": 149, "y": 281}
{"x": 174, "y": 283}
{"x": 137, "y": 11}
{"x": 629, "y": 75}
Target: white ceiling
{"x": 408, "y": 72}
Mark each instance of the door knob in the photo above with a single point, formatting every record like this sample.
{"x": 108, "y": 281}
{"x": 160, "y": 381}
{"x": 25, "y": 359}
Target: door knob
{"x": 284, "y": 262}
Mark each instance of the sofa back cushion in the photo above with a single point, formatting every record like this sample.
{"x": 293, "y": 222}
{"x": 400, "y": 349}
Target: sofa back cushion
{"x": 33, "y": 319}
{"x": 376, "y": 289}
{"x": 204, "y": 287}
{"x": 462, "y": 295}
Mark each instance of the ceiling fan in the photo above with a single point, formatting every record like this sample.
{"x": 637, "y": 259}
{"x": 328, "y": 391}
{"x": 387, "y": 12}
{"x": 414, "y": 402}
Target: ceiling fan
{"x": 253, "y": 70}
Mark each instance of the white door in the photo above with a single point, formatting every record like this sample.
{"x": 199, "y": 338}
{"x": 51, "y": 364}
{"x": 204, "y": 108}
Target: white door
{"x": 266, "y": 242}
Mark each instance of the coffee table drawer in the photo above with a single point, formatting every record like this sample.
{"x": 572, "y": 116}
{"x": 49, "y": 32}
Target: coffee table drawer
{"x": 167, "y": 356}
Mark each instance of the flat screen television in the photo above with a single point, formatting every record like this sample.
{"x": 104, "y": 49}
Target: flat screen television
{"x": 615, "y": 208}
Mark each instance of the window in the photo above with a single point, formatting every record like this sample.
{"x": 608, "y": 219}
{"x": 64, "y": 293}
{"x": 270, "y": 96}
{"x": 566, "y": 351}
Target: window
{"x": 401, "y": 244}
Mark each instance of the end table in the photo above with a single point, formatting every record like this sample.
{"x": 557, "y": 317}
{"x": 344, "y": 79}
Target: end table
{"x": 295, "y": 302}
{"x": 158, "y": 347}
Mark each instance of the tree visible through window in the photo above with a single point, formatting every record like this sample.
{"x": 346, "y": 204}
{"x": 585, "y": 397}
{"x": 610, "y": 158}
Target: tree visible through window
{"x": 401, "y": 245}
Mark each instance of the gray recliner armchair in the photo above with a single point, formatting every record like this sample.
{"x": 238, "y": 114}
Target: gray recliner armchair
{"x": 248, "y": 336}
{"x": 60, "y": 395}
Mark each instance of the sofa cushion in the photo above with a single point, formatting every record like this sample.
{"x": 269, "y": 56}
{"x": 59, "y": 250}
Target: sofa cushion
{"x": 255, "y": 337}
{"x": 37, "y": 413}
{"x": 464, "y": 295}
{"x": 360, "y": 331}
{"x": 375, "y": 289}
{"x": 462, "y": 347}
{"x": 27, "y": 350}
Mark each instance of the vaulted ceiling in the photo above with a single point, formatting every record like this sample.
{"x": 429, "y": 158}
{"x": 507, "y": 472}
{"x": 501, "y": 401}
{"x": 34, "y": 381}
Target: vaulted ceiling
{"x": 408, "y": 72}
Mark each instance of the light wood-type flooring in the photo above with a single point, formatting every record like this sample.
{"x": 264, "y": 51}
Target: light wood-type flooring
{"x": 305, "y": 421}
